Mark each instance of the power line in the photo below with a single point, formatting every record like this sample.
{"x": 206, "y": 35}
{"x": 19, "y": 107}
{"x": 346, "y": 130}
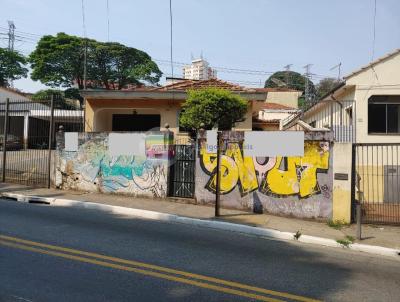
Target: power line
{"x": 306, "y": 88}
{"x": 85, "y": 45}
{"x": 108, "y": 22}
{"x": 171, "y": 48}
{"x": 374, "y": 33}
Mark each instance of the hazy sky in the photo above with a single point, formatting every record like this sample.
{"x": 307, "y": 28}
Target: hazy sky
{"x": 245, "y": 34}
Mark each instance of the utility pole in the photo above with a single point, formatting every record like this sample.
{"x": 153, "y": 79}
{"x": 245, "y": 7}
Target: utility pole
{"x": 306, "y": 88}
{"x": 287, "y": 68}
{"x": 11, "y": 35}
{"x": 338, "y": 66}
{"x": 11, "y": 40}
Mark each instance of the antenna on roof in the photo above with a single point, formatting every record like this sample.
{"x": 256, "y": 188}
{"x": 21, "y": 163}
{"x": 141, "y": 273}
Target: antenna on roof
{"x": 191, "y": 56}
{"x": 338, "y": 67}
{"x": 201, "y": 55}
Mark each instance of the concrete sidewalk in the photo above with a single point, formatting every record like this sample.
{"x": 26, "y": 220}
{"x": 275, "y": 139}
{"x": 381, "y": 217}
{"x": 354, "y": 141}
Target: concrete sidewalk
{"x": 385, "y": 236}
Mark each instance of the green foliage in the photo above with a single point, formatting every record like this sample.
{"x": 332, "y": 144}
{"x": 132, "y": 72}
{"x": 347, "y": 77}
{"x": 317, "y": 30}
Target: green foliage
{"x": 59, "y": 61}
{"x": 295, "y": 79}
{"x": 297, "y": 235}
{"x": 11, "y": 66}
{"x": 336, "y": 224}
{"x": 113, "y": 66}
{"x": 350, "y": 238}
{"x": 326, "y": 85}
{"x": 214, "y": 107}
{"x": 60, "y": 98}
{"x": 346, "y": 241}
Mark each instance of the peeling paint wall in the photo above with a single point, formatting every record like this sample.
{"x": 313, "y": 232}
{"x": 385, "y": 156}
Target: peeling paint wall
{"x": 298, "y": 186}
{"x": 92, "y": 167}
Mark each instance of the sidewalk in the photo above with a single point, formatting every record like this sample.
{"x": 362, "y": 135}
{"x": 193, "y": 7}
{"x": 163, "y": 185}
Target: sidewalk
{"x": 385, "y": 236}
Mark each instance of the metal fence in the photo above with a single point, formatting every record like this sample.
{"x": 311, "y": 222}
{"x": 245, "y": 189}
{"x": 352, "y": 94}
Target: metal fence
{"x": 27, "y": 137}
{"x": 339, "y": 116}
{"x": 377, "y": 182}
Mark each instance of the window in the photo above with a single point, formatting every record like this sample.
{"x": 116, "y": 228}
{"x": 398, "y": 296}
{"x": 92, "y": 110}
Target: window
{"x": 384, "y": 114}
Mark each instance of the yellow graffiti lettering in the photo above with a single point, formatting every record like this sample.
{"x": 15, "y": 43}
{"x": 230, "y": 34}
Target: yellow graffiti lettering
{"x": 235, "y": 170}
{"x": 298, "y": 175}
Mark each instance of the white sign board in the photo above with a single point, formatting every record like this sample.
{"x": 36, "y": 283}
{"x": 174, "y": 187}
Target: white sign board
{"x": 71, "y": 141}
{"x": 126, "y": 144}
{"x": 273, "y": 143}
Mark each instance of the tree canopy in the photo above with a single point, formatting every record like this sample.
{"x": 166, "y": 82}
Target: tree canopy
{"x": 67, "y": 99}
{"x": 326, "y": 85}
{"x": 59, "y": 61}
{"x": 12, "y": 66}
{"x": 214, "y": 107}
{"x": 289, "y": 79}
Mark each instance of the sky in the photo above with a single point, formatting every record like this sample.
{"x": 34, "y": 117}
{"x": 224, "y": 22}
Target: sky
{"x": 263, "y": 35}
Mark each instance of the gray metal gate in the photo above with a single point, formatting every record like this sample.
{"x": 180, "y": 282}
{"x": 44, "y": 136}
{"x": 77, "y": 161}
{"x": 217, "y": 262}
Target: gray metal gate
{"x": 27, "y": 137}
{"x": 182, "y": 172}
{"x": 377, "y": 182}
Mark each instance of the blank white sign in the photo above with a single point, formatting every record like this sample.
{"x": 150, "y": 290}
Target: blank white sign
{"x": 273, "y": 143}
{"x": 211, "y": 141}
{"x": 71, "y": 141}
{"x": 126, "y": 144}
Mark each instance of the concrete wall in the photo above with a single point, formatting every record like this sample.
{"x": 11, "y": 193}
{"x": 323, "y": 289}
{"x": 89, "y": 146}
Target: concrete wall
{"x": 295, "y": 186}
{"x": 342, "y": 187}
{"x": 93, "y": 168}
{"x": 288, "y": 98}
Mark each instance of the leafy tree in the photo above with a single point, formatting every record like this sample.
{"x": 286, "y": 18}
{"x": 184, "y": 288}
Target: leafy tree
{"x": 11, "y": 66}
{"x": 60, "y": 98}
{"x": 295, "y": 79}
{"x": 59, "y": 61}
{"x": 214, "y": 107}
{"x": 326, "y": 85}
{"x": 114, "y": 66}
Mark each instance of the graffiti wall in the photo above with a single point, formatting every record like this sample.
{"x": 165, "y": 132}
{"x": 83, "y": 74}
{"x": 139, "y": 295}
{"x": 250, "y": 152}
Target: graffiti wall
{"x": 298, "y": 186}
{"x": 96, "y": 166}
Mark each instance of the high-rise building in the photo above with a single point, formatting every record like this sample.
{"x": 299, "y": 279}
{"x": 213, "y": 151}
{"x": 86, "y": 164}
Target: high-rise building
{"x": 199, "y": 70}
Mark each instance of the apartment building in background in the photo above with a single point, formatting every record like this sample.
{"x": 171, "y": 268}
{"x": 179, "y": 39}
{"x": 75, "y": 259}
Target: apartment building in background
{"x": 199, "y": 70}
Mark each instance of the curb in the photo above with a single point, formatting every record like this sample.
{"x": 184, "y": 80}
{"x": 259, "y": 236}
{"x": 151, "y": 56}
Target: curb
{"x": 219, "y": 225}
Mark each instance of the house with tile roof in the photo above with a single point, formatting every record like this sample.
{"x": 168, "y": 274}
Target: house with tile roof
{"x": 145, "y": 108}
{"x": 365, "y": 107}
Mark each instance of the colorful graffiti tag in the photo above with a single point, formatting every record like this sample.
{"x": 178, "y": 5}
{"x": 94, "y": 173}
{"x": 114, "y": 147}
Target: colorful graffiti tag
{"x": 92, "y": 168}
{"x": 273, "y": 176}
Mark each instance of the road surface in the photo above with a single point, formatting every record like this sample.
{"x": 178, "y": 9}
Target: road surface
{"x": 50, "y": 253}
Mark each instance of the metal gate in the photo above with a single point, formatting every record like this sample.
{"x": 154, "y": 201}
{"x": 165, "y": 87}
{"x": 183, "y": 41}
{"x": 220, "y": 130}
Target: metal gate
{"x": 27, "y": 137}
{"x": 182, "y": 172}
{"x": 377, "y": 182}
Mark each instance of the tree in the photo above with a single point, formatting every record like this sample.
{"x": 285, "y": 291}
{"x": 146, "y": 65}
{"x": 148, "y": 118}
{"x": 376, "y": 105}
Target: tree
{"x": 59, "y": 61}
{"x": 214, "y": 107}
{"x": 326, "y": 85}
{"x": 11, "y": 66}
{"x": 113, "y": 66}
{"x": 295, "y": 81}
{"x": 60, "y": 98}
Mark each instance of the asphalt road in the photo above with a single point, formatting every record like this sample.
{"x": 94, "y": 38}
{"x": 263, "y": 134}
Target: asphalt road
{"x": 44, "y": 257}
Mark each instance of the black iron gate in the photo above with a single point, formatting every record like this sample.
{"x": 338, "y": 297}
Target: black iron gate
{"x": 27, "y": 137}
{"x": 377, "y": 182}
{"x": 182, "y": 172}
